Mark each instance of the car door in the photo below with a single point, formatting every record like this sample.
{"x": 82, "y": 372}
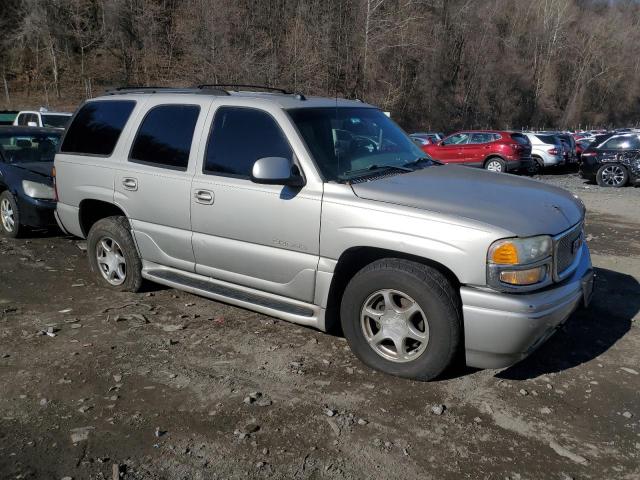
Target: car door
{"x": 611, "y": 149}
{"x": 475, "y": 151}
{"x": 450, "y": 150}
{"x": 265, "y": 237}
{"x": 154, "y": 185}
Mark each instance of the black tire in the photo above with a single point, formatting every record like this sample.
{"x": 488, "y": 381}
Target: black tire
{"x": 16, "y": 229}
{"x": 612, "y": 175}
{"x": 490, "y": 162}
{"x": 536, "y": 166}
{"x": 434, "y": 294}
{"x": 116, "y": 228}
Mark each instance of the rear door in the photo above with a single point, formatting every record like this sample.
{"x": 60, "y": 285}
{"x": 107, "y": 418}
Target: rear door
{"x": 618, "y": 149}
{"x": 154, "y": 185}
{"x": 478, "y": 148}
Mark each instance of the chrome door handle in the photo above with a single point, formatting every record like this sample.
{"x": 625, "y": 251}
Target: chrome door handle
{"x": 204, "y": 196}
{"x": 130, "y": 183}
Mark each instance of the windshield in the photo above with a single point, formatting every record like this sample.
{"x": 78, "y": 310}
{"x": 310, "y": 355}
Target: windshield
{"x": 28, "y": 148}
{"x": 350, "y": 142}
{"x": 55, "y": 121}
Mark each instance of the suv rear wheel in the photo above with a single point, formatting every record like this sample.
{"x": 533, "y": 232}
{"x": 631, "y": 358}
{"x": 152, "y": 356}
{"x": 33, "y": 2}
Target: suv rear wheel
{"x": 495, "y": 164}
{"x": 612, "y": 175}
{"x": 402, "y": 318}
{"x": 113, "y": 256}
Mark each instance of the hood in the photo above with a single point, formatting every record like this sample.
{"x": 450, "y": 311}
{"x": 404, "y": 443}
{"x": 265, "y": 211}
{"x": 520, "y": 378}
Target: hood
{"x": 40, "y": 168}
{"x": 521, "y": 206}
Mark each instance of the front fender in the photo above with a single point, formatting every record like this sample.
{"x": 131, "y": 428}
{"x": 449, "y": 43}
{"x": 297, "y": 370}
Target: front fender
{"x": 459, "y": 246}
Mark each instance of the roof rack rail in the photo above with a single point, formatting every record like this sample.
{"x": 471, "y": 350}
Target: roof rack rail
{"x": 150, "y": 89}
{"x": 244, "y": 85}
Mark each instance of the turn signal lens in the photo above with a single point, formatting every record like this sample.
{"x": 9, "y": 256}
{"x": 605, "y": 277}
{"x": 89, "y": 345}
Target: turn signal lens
{"x": 524, "y": 277}
{"x": 520, "y": 251}
{"x": 505, "y": 254}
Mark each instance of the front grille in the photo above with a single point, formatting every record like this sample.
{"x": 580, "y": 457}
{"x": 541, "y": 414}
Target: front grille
{"x": 566, "y": 249}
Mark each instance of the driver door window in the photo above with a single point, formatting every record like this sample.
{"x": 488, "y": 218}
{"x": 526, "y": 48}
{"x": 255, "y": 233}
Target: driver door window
{"x": 240, "y": 136}
{"x": 457, "y": 139}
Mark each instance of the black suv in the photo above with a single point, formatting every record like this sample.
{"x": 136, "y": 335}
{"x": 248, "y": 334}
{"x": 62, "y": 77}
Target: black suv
{"x": 612, "y": 160}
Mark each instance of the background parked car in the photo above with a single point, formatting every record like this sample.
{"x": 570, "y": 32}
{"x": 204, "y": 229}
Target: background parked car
{"x": 498, "y": 151}
{"x": 546, "y": 151}
{"x": 26, "y": 185}
{"x": 422, "y": 141}
{"x": 612, "y": 160}
{"x": 42, "y": 118}
{"x": 8, "y": 116}
{"x": 434, "y": 137}
{"x": 582, "y": 145}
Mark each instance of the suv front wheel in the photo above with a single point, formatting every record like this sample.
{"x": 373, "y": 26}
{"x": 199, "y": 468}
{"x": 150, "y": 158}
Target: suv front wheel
{"x": 113, "y": 256}
{"x": 402, "y": 318}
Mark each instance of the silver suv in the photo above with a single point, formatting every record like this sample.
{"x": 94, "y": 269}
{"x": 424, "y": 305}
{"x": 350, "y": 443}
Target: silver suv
{"x": 547, "y": 150}
{"x": 322, "y": 212}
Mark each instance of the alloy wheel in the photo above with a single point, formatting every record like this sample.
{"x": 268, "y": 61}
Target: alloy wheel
{"x": 7, "y": 215}
{"x": 111, "y": 261}
{"x": 494, "y": 166}
{"x": 394, "y": 325}
{"x": 613, "y": 175}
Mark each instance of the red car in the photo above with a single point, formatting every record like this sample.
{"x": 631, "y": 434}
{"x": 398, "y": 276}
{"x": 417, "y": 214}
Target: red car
{"x": 497, "y": 151}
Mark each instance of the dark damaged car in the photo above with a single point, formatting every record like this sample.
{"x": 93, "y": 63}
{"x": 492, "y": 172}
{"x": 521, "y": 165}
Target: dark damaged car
{"x": 27, "y": 197}
{"x": 612, "y": 161}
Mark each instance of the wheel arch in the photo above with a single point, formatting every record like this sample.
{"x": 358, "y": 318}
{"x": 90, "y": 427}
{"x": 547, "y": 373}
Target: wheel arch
{"x": 353, "y": 260}
{"x": 91, "y": 210}
{"x": 492, "y": 156}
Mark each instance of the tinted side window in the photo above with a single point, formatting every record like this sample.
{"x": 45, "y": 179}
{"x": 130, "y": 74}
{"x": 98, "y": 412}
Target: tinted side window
{"x": 457, "y": 139}
{"x": 22, "y": 119}
{"x": 240, "y": 136}
{"x": 165, "y": 135}
{"x": 96, "y": 128}
{"x": 481, "y": 138}
{"x": 621, "y": 143}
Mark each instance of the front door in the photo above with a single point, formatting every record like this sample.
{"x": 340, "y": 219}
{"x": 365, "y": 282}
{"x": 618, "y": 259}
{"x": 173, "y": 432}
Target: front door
{"x": 154, "y": 185}
{"x": 450, "y": 151}
{"x": 264, "y": 237}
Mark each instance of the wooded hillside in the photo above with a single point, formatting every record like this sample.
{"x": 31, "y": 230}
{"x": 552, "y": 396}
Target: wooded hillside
{"x": 435, "y": 64}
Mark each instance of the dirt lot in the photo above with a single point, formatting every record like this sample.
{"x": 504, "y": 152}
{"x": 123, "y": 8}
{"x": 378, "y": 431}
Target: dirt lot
{"x": 164, "y": 384}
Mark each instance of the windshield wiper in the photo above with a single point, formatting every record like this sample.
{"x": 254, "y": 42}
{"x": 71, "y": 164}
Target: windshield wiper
{"x": 418, "y": 161}
{"x": 370, "y": 168}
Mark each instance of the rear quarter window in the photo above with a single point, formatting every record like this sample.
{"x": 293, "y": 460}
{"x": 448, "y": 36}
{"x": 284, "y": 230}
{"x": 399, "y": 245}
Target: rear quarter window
{"x": 96, "y": 128}
{"x": 548, "y": 139}
{"x": 520, "y": 138}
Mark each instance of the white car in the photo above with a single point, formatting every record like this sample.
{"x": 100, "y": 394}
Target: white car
{"x": 42, "y": 118}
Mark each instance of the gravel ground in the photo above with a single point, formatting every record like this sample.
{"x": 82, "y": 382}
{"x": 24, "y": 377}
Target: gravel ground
{"x": 165, "y": 384}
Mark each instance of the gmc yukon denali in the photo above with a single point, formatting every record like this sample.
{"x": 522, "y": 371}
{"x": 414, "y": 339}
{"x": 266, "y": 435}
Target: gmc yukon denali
{"x": 322, "y": 212}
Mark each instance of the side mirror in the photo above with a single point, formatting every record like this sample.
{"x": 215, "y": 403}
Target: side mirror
{"x": 32, "y": 124}
{"x": 276, "y": 171}
{"x": 440, "y": 143}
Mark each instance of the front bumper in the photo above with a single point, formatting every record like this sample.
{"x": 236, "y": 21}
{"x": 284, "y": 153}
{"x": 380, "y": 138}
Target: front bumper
{"x": 35, "y": 212}
{"x": 501, "y": 329}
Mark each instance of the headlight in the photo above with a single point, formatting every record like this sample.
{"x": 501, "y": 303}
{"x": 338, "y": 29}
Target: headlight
{"x": 520, "y": 263}
{"x": 520, "y": 251}
{"x": 37, "y": 190}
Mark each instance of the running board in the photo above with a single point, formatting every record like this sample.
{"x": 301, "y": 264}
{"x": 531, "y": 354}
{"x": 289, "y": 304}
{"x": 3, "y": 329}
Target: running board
{"x": 267, "y": 303}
